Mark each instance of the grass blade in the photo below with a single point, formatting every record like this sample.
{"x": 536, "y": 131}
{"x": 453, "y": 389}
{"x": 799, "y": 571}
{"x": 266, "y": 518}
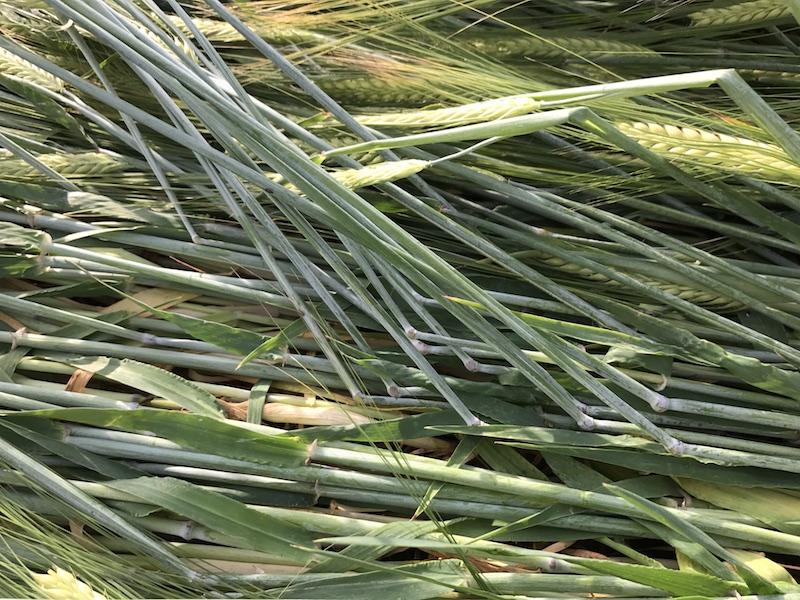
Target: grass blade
{"x": 253, "y": 529}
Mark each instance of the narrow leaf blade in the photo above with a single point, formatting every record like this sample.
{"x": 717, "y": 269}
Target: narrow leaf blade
{"x": 192, "y": 431}
{"x": 153, "y": 380}
{"x": 254, "y": 529}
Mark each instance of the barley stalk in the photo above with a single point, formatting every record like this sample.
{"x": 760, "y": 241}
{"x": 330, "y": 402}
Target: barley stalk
{"x": 491, "y": 110}
{"x": 83, "y": 164}
{"x": 59, "y": 584}
{"x": 746, "y": 12}
{"x": 711, "y": 148}
{"x": 13, "y": 66}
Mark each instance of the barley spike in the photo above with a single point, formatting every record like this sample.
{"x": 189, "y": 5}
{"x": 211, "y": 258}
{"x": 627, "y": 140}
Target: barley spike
{"x": 712, "y": 148}
{"x": 376, "y": 174}
{"x": 491, "y": 110}
{"x": 83, "y": 164}
{"x": 371, "y": 91}
{"x": 59, "y": 584}
{"x": 13, "y": 66}
{"x": 552, "y": 47}
{"x": 745, "y": 12}
{"x": 690, "y": 294}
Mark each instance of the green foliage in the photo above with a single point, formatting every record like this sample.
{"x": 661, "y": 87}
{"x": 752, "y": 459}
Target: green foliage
{"x": 538, "y": 281}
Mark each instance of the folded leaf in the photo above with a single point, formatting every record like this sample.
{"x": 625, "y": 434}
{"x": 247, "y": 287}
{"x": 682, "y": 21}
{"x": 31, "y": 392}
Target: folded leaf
{"x": 254, "y": 529}
{"x": 153, "y": 380}
{"x": 192, "y": 431}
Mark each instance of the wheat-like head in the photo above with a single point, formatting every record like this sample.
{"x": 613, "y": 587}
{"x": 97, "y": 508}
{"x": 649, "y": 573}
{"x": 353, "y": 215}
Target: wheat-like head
{"x": 691, "y": 294}
{"x": 184, "y": 46}
{"x": 745, "y": 12}
{"x": 13, "y": 66}
{"x": 552, "y": 47}
{"x": 221, "y": 31}
{"x": 59, "y": 584}
{"x": 215, "y": 31}
{"x": 376, "y": 174}
{"x": 26, "y": 23}
{"x": 81, "y": 164}
{"x": 761, "y": 75}
{"x": 491, "y": 110}
{"x": 379, "y": 173}
{"x": 374, "y": 91}
{"x": 711, "y": 148}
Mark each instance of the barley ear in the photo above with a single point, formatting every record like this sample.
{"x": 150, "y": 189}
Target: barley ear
{"x": 59, "y": 584}
{"x": 739, "y": 14}
{"x": 478, "y": 112}
{"x": 380, "y": 173}
{"x": 15, "y": 67}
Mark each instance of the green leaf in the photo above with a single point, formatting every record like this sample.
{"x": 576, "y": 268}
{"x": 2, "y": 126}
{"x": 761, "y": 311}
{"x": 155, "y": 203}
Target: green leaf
{"x": 153, "y": 380}
{"x": 537, "y": 519}
{"x": 88, "y": 507}
{"x": 343, "y": 560}
{"x": 508, "y": 460}
{"x": 556, "y": 437}
{"x": 280, "y": 340}
{"x": 587, "y": 333}
{"x": 749, "y": 369}
{"x": 45, "y": 105}
{"x": 133, "y": 509}
{"x": 674, "y": 582}
{"x": 768, "y": 569}
{"x": 631, "y": 359}
{"x": 83, "y": 289}
{"x": 9, "y": 362}
{"x": 574, "y": 473}
{"x": 233, "y": 339}
{"x": 254, "y": 529}
{"x": 41, "y": 196}
{"x": 257, "y": 400}
{"x": 20, "y": 239}
{"x": 19, "y": 250}
{"x": 462, "y": 453}
{"x": 404, "y": 428}
{"x": 756, "y": 583}
{"x": 763, "y": 324}
{"x": 200, "y": 433}
{"x": 794, "y": 7}
{"x": 678, "y": 583}
{"x": 409, "y": 376}
{"x": 672, "y": 465}
{"x": 691, "y": 552}
{"x": 404, "y": 583}
{"x": 18, "y": 265}
{"x": 47, "y": 435}
{"x": 580, "y": 476}
{"x": 773, "y": 507}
